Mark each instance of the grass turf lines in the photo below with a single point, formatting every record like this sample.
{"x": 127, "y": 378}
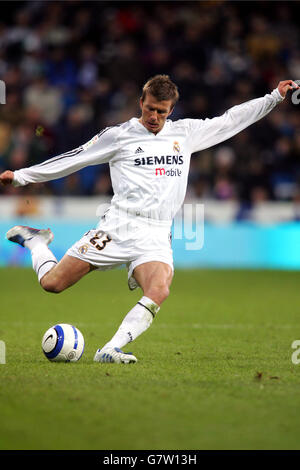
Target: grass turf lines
{"x": 214, "y": 370}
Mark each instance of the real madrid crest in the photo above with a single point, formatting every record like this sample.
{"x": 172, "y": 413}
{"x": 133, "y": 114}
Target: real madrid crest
{"x": 176, "y": 147}
{"x": 83, "y": 249}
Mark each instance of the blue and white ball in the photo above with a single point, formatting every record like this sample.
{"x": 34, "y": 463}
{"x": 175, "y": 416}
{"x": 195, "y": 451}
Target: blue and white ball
{"x": 63, "y": 343}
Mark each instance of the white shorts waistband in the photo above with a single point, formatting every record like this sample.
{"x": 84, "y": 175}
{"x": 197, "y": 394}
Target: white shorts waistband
{"x": 140, "y": 215}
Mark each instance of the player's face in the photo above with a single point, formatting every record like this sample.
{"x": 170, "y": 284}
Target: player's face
{"x": 155, "y": 113}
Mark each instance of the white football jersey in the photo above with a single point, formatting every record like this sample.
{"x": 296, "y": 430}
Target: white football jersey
{"x": 149, "y": 172}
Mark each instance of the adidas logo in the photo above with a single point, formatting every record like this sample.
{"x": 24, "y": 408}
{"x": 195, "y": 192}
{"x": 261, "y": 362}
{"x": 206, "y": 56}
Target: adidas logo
{"x": 139, "y": 150}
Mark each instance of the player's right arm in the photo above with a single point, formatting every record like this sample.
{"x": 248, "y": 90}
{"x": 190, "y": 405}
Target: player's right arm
{"x": 100, "y": 149}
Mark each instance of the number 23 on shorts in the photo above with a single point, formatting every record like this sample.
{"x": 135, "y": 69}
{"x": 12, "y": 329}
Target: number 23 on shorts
{"x": 103, "y": 238}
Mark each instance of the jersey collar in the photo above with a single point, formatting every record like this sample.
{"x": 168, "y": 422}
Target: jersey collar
{"x": 145, "y": 131}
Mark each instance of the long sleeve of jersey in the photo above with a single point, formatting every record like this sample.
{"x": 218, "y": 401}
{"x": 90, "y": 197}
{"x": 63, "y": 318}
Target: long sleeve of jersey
{"x": 100, "y": 149}
{"x": 208, "y": 132}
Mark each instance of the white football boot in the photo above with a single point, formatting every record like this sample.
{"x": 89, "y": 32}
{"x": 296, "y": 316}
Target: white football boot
{"x": 114, "y": 355}
{"x": 21, "y": 233}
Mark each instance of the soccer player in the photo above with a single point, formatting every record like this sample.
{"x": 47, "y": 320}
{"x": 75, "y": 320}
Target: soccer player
{"x": 149, "y": 161}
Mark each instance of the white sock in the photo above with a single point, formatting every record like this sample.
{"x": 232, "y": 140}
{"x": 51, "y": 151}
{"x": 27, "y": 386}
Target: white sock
{"x": 135, "y": 323}
{"x": 42, "y": 258}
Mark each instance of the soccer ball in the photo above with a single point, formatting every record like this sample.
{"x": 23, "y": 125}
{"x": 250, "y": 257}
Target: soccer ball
{"x": 63, "y": 343}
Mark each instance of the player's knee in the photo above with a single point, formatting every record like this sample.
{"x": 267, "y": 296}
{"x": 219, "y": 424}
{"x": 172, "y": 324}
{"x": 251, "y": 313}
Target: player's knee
{"x": 51, "y": 284}
{"x": 158, "y": 293}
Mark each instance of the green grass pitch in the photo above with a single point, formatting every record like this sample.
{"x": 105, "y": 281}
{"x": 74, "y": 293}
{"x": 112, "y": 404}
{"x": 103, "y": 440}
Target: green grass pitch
{"x": 214, "y": 370}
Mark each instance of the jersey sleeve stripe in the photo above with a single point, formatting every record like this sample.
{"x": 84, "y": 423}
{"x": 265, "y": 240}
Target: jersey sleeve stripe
{"x": 71, "y": 153}
{"x": 74, "y": 152}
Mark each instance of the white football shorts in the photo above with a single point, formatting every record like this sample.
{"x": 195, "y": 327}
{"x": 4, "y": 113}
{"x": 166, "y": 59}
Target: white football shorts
{"x": 138, "y": 244}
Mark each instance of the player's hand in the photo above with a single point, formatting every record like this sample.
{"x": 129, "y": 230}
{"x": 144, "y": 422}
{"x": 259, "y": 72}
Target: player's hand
{"x": 6, "y": 177}
{"x": 286, "y": 85}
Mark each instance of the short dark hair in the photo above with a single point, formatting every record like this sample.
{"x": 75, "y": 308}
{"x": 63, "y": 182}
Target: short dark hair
{"x": 162, "y": 88}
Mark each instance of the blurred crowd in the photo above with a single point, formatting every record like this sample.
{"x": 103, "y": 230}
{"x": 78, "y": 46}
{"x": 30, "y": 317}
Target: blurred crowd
{"x": 72, "y": 68}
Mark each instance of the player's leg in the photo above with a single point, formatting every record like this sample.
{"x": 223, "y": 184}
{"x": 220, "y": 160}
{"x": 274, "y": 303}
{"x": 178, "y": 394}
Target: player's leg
{"x": 155, "y": 279}
{"x": 53, "y": 276}
{"x": 64, "y": 274}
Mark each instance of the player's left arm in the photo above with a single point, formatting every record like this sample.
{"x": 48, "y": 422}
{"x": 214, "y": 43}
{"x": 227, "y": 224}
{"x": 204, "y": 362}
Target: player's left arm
{"x": 208, "y": 132}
